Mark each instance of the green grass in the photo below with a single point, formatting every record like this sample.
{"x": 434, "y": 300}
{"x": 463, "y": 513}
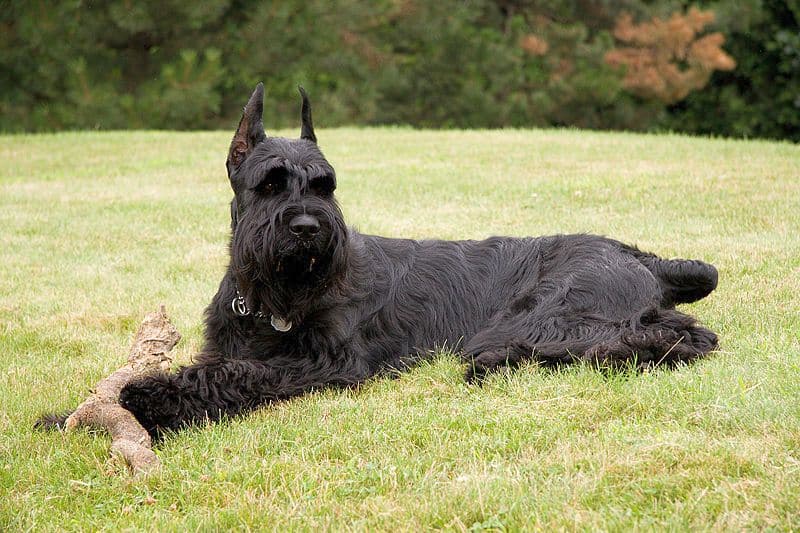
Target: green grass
{"x": 97, "y": 229}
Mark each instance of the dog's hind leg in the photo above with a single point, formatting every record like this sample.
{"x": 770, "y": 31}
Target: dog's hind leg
{"x": 655, "y": 337}
{"x": 550, "y": 339}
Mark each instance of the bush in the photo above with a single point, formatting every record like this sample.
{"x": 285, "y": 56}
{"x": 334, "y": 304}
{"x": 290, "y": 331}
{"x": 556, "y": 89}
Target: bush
{"x": 480, "y": 63}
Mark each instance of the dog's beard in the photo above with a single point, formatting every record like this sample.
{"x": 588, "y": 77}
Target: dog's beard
{"x": 281, "y": 275}
{"x": 299, "y": 263}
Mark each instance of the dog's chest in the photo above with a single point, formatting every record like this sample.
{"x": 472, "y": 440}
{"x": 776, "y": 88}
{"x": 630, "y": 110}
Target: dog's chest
{"x": 301, "y": 340}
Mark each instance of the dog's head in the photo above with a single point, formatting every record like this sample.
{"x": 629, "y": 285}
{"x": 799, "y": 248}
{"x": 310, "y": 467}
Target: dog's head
{"x": 288, "y": 233}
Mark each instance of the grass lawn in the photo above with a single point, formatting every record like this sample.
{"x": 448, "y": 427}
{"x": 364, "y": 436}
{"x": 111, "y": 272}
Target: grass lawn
{"x": 97, "y": 229}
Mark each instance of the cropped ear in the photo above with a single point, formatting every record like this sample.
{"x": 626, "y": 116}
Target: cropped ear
{"x": 307, "y": 128}
{"x": 250, "y": 131}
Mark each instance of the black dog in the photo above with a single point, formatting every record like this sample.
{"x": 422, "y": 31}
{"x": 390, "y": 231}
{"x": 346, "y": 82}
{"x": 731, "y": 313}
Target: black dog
{"x": 307, "y": 302}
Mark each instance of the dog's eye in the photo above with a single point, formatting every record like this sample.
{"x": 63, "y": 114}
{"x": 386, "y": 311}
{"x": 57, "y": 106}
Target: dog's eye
{"x": 274, "y": 181}
{"x": 323, "y": 185}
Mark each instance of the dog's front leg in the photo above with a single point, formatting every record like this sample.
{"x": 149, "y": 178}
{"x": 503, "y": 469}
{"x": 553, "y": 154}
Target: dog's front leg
{"x": 209, "y": 391}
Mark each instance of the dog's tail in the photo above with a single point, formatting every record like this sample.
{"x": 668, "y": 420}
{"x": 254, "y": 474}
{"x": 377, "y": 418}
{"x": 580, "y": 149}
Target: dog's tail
{"x": 682, "y": 280}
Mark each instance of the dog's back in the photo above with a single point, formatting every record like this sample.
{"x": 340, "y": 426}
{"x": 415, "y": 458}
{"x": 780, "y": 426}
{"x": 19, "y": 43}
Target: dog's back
{"x": 429, "y": 293}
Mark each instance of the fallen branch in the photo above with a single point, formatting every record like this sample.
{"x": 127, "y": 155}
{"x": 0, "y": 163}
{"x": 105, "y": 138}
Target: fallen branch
{"x": 149, "y": 353}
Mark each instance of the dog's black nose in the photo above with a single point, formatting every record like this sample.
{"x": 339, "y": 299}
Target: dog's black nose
{"x": 304, "y": 226}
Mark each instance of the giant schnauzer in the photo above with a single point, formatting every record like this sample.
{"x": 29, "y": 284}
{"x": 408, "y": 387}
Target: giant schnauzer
{"x": 307, "y": 302}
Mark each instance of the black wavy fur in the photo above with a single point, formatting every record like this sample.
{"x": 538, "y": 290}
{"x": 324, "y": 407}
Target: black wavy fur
{"x": 362, "y": 305}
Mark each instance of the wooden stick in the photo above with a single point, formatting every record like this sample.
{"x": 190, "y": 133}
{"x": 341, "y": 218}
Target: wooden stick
{"x": 149, "y": 353}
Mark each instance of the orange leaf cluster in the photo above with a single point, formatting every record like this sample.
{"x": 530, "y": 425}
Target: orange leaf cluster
{"x": 363, "y": 47}
{"x": 534, "y": 45}
{"x": 666, "y": 59}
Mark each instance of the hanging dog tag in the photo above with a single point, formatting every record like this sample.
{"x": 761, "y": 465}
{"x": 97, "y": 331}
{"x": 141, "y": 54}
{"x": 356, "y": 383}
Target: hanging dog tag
{"x": 280, "y": 324}
{"x": 239, "y": 306}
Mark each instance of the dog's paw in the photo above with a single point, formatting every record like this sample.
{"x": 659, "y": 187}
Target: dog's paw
{"x": 478, "y": 368}
{"x": 153, "y": 401}
{"x": 481, "y": 365}
{"x": 475, "y": 375}
{"x": 52, "y": 421}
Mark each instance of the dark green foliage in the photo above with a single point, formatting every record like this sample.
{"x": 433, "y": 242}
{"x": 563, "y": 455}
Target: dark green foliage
{"x": 110, "y": 65}
{"x": 478, "y": 63}
{"x": 761, "y": 97}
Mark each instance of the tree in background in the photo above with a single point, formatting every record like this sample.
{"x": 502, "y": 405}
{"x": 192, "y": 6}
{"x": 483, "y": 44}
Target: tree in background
{"x": 453, "y": 63}
{"x": 666, "y": 59}
{"x": 761, "y": 97}
{"x": 110, "y": 64}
